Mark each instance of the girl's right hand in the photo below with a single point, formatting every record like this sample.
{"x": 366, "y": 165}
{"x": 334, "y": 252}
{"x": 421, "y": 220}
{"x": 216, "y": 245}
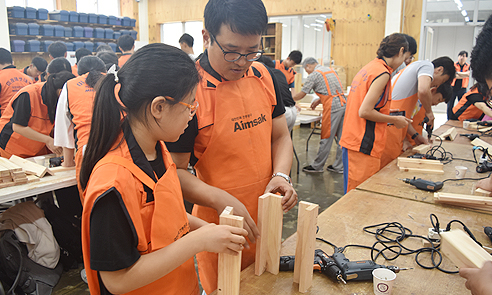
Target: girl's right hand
{"x": 221, "y": 238}
{"x": 401, "y": 121}
{"x": 50, "y": 144}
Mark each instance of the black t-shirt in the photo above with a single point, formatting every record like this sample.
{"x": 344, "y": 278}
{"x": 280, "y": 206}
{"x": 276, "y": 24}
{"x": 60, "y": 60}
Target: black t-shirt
{"x": 187, "y": 140}
{"x": 284, "y": 88}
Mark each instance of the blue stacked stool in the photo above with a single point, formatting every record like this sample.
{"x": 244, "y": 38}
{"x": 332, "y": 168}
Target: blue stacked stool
{"x": 77, "y": 45}
{"x": 31, "y": 13}
{"x": 68, "y": 32}
{"x": 108, "y": 34}
{"x": 59, "y": 31}
{"x": 89, "y": 45}
{"x": 16, "y": 12}
{"x": 47, "y": 30}
{"x": 33, "y": 29}
{"x": 42, "y": 14}
{"x": 88, "y": 32}
{"x": 60, "y": 15}
{"x": 18, "y": 29}
{"x": 45, "y": 45}
{"x": 99, "y": 33}
{"x": 33, "y": 46}
{"x": 73, "y": 16}
{"x": 83, "y": 17}
{"x": 17, "y": 45}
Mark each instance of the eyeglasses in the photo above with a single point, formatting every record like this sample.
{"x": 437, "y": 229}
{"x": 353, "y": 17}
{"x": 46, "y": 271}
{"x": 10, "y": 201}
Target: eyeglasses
{"x": 232, "y": 56}
{"x": 193, "y": 107}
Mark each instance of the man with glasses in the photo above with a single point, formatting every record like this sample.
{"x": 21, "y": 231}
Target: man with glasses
{"x": 239, "y": 133}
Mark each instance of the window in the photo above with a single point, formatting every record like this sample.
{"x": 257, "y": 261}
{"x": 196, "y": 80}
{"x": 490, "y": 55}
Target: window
{"x": 171, "y": 32}
{"x": 106, "y": 7}
{"x": 49, "y": 5}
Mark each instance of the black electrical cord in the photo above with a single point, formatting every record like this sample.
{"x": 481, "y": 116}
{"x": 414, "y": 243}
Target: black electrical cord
{"x": 466, "y": 178}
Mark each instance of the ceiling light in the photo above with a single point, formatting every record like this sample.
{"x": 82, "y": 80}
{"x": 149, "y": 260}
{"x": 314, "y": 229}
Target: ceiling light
{"x": 317, "y": 30}
{"x": 464, "y": 13}
{"x": 319, "y": 21}
{"x": 316, "y": 25}
{"x": 467, "y": 19}
{"x": 306, "y": 26}
{"x": 284, "y": 25}
{"x": 322, "y": 15}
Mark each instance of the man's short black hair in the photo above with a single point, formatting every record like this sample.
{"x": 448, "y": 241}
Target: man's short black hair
{"x": 245, "y": 17}
{"x": 481, "y": 55}
{"x": 5, "y": 57}
{"x": 81, "y": 52}
{"x": 188, "y": 39}
{"x": 448, "y": 66}
{"x": 40, "y": 63}
{"x": 104, "y": 47}
{"x": 412, "y": 44}
{"x": 59, "y": 64}
{"x": 446, "y": 91}
{"x": 463, "y": 52}
{"x": 295, "y": 56}
{"x": 57, "y": 49}
{"x": 126, "y": 42}
{"x": 109, "y": 58}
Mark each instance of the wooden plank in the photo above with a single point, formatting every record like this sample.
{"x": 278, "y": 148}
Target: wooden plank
{"x": 450, "y": 134}
{"x": 306, "y": 231}
{"x": 467, "y": 199}
{"x": 229, "y": 270}
{"x": 422, "y": 149}
{"x": 418, "y": 170}
{"x": 420, "y": 165}
{"x": 27, "y": 165}
{"x": 270, "y": 218}
{"x": 462, "y": 250}
{"x": 482, "y": 143}
{"x": 10, "y": 165}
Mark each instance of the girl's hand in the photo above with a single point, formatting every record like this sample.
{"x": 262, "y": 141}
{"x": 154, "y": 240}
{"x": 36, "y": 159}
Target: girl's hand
{"x": 221, "y": 238}
{"x": 401, "y": 122}
{"x": 51, "y": 146}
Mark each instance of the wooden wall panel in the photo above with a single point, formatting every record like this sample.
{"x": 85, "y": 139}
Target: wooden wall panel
{"x": 412, "y": 20}
{"x": 70, "y": 5}
{"x": 129, "y": 8}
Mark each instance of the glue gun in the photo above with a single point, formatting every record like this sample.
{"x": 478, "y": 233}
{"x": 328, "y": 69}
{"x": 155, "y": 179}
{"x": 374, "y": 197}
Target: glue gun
{"x": 425, "y": 185}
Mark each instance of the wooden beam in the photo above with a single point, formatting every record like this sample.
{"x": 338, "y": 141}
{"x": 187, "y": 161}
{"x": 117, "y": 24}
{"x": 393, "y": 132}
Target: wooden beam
{"x": 422, "y": 149}
{"x": 30, "y": 167}
{"x": 462, "y": 250}
{"x": 480, "y": 142}
{"x": 306, "y": 240}
{"x": 420, "y": 165}
{"x": 229, "y": 273}
{"x": 450, "y": 134}
{"x": 270, "y": 218}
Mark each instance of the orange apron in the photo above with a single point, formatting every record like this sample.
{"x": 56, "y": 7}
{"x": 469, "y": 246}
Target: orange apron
{"x": 326, "y": 100}
{"x": 158, "y": 223}
{"x": 237, "y": 158}
{"x": 418, "y": 123}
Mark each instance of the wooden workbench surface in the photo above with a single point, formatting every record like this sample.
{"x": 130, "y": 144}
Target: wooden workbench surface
{"x": 460, "y": 130}
{"x": 342, "y": 224}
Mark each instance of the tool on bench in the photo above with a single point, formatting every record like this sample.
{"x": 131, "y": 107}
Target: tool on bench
{"x": 488, "y": 231}
{"x": 428, "y": 128}
{"x": 484, "y": 123}
{"x": 470, "y": 136}
{"x": 423, "y": 156}
{"x": 425, "y": 185}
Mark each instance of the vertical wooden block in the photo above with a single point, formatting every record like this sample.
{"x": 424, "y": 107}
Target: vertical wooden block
{"x": 462, "y": 250}
{"x": 306, "y": 239}
{"x": 229, "y": 274}
{"x": 270, "y": 218}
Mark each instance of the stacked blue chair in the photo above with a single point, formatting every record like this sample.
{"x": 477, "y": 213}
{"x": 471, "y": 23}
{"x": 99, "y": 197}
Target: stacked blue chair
{"x": 83, "y": 17}
{"x": 47, "y": 30}
{"x": 70, "y": 46}
{"x": 88, "y": 32}
{"x": 73, "y": 16}
{"x": 116, "y": 35}
{"x": 133, "y": 33}
{"x": 31, "y": 13}
{"x": 111, "y": 20}
{"x": 45, "y": 45}
{"x": 68, "y": 32}
{"x": 133, "y": 22}
{"x": 77, "y": 45}
{"x": 16, "y": 12}
{"x": 108, "y": 33}
{"x": 18, "y": 29}
{"x": 78, "y": 32}
{"x": 33, "y": 46}
{"x": 118, "y": 21}
{"x": 125, "y": 32}
{"x": 92, "y": 18}
{"x": 42, "y": 14}
{"x": 102, "y": 19}
{"x": 59, "y": 31}
{"x": 99, "y": 33}
{"x": 33, "y": 29}
{"x": 17, "y": 45}
{"x": 126, "y": 21}
{"x": 89, "y": 45}
{"x": 59, "y": 15}
{"x": 113, "y": 46}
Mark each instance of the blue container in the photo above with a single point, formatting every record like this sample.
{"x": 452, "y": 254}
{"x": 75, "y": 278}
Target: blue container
{"x": 31, "y": 13}
{"x": 42, "y": 14}
{"x": 108, "y": 33}
{"x": 70, "y": 46}
{"x": 59, "y": 31}
{"x": 33, "y": 29}
{"x": 97, "y": 44}
{"x": 83, "y": 17}
{"x": 124, "y": 32}
{"x": 118, "y": 21}
{"x": 47, "y": 30}
{"x": 88, "y": 32}
{"x": 78, "y": 32}
{"x": 68, "y": 32}
{"x": 18, "y": 29}
{"x": 17, "y": 45}
{"x": 16, "y": 11}
{"x": 89, "y": 45}
{"x": 116, "y": 35}
{"x": 77, "y": 45}
{"x": 73, "y": 16}
{"x": 126, "y": 21}
{"x": 59, "y": 15}
{"x": 133, "y": 22}
{"x": 111, "y": 20}
{"x": 133, "y": 33}
{"x": 99, "y": 33}
{"x": 113, "y": 46}
{"x": 45, "y": 45}
{"x": 33, "y": 46}
{"x": 102, "y": 19}
{"x": 92, "y": 18}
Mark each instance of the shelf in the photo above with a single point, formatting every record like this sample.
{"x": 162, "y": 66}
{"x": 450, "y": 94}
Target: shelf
{"x": 52, "y": 38}
{"x": 70, "y": 24}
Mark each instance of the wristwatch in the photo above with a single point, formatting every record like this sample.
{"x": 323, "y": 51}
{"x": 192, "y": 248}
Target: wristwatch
{"x": 415, "y": 135}
{"x": 283, "y": 175}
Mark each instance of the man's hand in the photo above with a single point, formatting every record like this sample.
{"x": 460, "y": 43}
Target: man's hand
{"x": 315, "y": 103}
{"x": 478, "y": 281}
{"x": 50, "y": 144}
{"x": 420, "y": 140}
{"x": 431, "y": 117}
{"x": 280, "y": 185}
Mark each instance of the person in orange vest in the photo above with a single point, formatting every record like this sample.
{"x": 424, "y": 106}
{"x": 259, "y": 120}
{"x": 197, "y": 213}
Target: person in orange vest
{"x": 126, "y": 43}
{"x": 81, "y": 52}
{"x": 460, "y": 82}
{"x": 239, "y": 134}
{"x": 474, "y": 104}
{"x": 131, "y": 184}
{"x": 11, "y": 80}
{"x": 327, "y": 86}
{"x": 367, "y": 112}
{"x": 287, "y": 67}
{"x": 28, "y": 120}
{"x": 186, "y": 43}
{"x": 35, "y": 69}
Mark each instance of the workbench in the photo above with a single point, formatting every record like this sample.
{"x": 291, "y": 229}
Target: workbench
{"x": 458, "y": 125}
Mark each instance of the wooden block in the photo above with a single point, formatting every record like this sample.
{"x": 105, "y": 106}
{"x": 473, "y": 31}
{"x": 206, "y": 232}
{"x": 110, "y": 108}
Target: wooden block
{"x": 480, "y": 142}
{"x": 420, "y": 165}
{"x": 9, "y": 165}
{"x": 422, "y": 149}
{"x": 482, "y": 191}
{"x": 450, "y": 134}
{"x": 462, "y": 250}
{"x": 229, "y": 272}
{"x": 32, "y": 167}
{"x": 306, "y": 240}
{"x": 466, "y": 199}
{"x": 270, "y": 218}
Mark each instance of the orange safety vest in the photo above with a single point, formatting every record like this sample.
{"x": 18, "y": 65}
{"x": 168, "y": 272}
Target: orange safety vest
{"x": 123, "y": 59}
{"x": 289, "y": 73}
{"x": 233, "y": 147}
{"x": 359, "y": 134}
{"x": 417, "y": 124}
{"x": 465, "y": 110}
{"x": 157, "y": 224}
{"x": 75, "y": 70}
{"x": 16, "y": 144}
{"x": 11, "y": 80}
{"x": 466, "y": 68}
{"x": 326, "y": 100}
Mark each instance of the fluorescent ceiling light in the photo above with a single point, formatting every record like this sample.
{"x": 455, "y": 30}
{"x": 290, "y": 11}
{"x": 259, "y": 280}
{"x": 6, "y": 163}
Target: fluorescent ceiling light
{"x": 284, "y": 25}
{"x": 464, "y": 13}
{"x": 319, "y": 21}
{"x": 316, "y": 25}
{"x": 467, "y": 19}
{"x": 317, "y": 30}
{"x": 306, "y": 26}
{"x": 322, "y": 15}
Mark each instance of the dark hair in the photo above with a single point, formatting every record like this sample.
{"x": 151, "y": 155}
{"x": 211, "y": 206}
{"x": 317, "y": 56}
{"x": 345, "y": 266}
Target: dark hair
{"x": 92, "y": 65}
{"x": 109, "y": 58}
{"x": 391, "y": 45}
{"x": 126, "y": 42}
{"x": 448, "y": 67}
{"x": 186, "y": 38}
{"x": 59, "y": 64}
{"x": 483, "y": 89}
{"x": 104, "y": 47}
{"x": 266, "y": 61}
{"x": 57, "y": 49}
{"x": 295, "y": 56}
{"x": 54, "y": 83}
{"x": 463, "y": 52}
{"x": 81, "y": 52}
{"x": 243, "y": 17}
{"x": 5, "y": 56}
{"x": 446, "y": 90}
{"x": 40, "y": 63}
{"x": 412, "y": 44}
{"x": 154, "y": 70}
{"x": 481, "y": 55}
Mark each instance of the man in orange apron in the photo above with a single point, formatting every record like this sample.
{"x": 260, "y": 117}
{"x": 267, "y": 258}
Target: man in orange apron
{"x": 11, "y": 80}
{"x": 239, "y": 134}
{"x": 35, "y": 69}
{"x": 126, "y": 43}
{"x": 326, "y": 84}
{"x": 287, "y": 66}
{"x": 460, "y": 82}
